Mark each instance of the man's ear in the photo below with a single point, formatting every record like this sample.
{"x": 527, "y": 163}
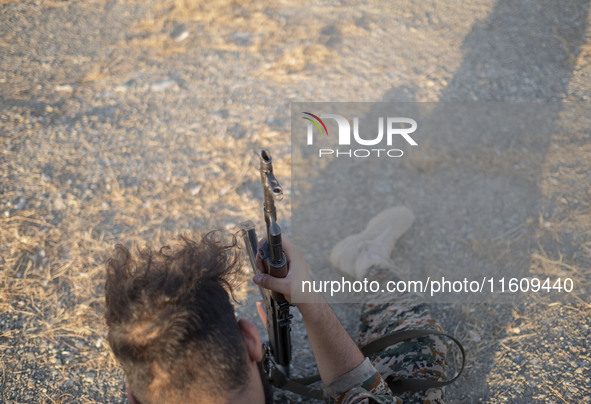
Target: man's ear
{"x": 251, "y": 336}
{"x": 130, "y": 397}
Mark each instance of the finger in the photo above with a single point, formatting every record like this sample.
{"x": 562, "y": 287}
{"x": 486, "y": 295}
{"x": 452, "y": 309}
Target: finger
{"x": 262, "y": 311}
{"x": 261, "y": 242}
{"x": 291, "y": 250}
{"x": 280, "y": 285}
{"x": 286, "y": 243}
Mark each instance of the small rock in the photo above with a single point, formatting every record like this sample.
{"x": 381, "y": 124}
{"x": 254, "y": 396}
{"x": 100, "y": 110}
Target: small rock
{"x": 195, "y": 190}
{"x": 64, "y": 88}
{"x": 179, "y": 33}
{"x": 59, "y": 204}
{"x": 515, "y": 330}
{"x": 162, "y": 85}
{"x": 21, "y": 204}
{"x": 242, "y": 38}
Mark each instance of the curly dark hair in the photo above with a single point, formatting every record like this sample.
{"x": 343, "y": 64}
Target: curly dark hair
{"x": 171, "y": 322}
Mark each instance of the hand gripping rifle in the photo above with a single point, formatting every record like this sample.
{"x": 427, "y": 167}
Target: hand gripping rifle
{"x": 278, "y": 349}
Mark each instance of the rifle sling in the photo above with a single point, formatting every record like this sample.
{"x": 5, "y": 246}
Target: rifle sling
{"x": 301, "y": 386}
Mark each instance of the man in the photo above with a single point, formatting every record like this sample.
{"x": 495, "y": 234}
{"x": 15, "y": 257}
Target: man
{"x": 173, "y": 330}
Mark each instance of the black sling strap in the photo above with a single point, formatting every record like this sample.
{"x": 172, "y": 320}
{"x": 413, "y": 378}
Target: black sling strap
{"x": 301, "y": 386}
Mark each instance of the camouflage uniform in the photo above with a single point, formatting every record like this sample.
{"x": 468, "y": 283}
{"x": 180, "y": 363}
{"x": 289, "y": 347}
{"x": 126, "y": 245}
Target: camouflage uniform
{"x": 420, "y": 358}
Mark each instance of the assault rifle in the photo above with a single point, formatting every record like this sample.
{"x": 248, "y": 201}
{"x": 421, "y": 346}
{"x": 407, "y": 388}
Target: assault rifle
{"x": 277, "y": 350}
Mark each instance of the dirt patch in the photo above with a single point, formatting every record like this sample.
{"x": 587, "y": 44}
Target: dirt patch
{"x": 132, "y": 122}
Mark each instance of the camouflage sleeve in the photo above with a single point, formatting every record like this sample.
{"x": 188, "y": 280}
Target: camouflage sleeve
{"x": 362, "y": 385}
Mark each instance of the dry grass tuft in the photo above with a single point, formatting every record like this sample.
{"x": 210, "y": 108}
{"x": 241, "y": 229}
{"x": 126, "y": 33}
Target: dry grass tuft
{"x": 224, "y": 25}
{"x": 297, "y": 59}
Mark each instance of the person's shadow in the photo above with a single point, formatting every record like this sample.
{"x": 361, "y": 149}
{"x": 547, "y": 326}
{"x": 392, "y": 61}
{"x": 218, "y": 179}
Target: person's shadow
{"x": 472, "y": 184}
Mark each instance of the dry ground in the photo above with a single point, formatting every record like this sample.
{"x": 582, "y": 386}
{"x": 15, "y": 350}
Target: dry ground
{"x": 113, "y": 131}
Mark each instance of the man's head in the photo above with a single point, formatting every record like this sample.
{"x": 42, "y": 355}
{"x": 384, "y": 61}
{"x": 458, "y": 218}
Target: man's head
{"x": 172, "y": 325}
